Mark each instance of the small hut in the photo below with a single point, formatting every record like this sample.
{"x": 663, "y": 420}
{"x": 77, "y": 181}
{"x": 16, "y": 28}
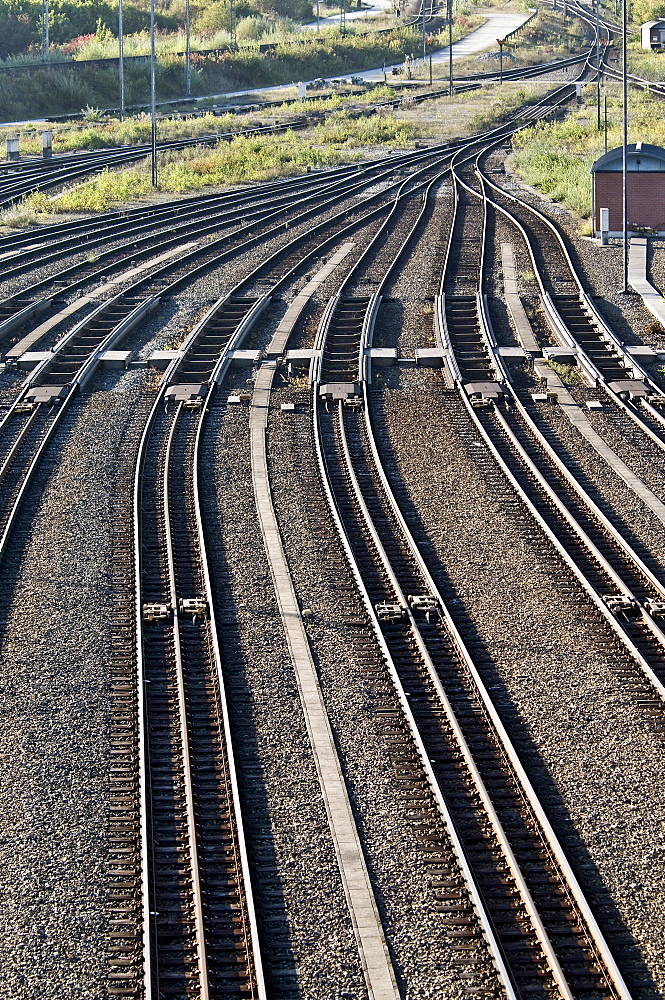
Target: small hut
{"x": 645, "y": 187}
{"x": 653, "y": 35}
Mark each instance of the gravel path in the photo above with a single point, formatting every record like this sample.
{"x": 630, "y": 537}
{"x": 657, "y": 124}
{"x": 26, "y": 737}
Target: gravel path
{"x": 54, "y": 756}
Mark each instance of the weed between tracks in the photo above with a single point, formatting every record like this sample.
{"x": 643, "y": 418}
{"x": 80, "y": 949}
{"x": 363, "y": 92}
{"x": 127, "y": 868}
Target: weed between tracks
{"x": 244, "y": 160}
{"x": 339, "y": 139}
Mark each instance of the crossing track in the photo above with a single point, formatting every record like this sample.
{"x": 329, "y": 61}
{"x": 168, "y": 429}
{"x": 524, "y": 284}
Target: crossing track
{"x": 187, "y": 764}
{"x": 623, "y": 587}
{"x": 29, "y": 424}
{"x": 521, "y": 883}
{"x": 230, "y": 221}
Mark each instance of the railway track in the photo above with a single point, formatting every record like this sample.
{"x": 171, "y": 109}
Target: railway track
{"x": 200, "y": 925}
{"x": 20, "y": 179}
{"x": 626, "y": 590}
{"x": 519, "y": 920}
{"x": 525, "y": 890}
{"x": 75, "y": 356}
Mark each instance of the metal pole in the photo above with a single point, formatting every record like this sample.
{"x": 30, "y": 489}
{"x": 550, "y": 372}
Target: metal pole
{"x": 188, "y": 61}
{"x": 45, "y": 42}
{"x": 422, "y": 4}
{"x": 121, "y": 62}
{"x": 624, "y": 158}
{"x": 318, "y": 15}
{"x": 451, "y": 89}
{"x": 605, "y": 103}
{"x": 598, "y": 65}
{"x": 153, "y": 108}
{"x": 430, "y": 69}
{"x": 234, "y": 38}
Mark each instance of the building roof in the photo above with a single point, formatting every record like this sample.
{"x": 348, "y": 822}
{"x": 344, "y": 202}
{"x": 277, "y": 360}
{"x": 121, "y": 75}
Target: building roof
{"x": 640, "y": 156}
{"x": 651, "y": 24}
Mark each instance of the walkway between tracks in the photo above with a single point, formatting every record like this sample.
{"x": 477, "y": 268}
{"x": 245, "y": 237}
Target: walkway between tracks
{"x": 377, "y": 966}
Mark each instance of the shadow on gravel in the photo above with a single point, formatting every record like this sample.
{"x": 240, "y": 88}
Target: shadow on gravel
{"x": 622, "y": 942}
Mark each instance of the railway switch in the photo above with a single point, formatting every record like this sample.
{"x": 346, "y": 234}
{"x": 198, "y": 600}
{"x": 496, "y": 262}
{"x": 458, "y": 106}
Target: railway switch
{"x": 423, "y": 604}
{"x": 156, "y": 612}
{"x": 620, "y": 604}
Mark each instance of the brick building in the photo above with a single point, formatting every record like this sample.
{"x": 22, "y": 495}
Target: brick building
{"x": 645, "y": 184}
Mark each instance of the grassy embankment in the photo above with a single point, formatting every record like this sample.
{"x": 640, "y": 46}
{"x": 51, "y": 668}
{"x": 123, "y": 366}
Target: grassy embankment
{"x": 109, "y": 131}
{"x": 556, "y": 157}
{"x": 244, "y": 160}
{"x": 69, "y": 88}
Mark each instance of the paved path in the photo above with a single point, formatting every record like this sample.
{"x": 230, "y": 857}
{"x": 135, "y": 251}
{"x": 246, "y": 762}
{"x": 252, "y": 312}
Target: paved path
{"x": 637, "y": 278}
{"x": 496, "y": 26}
{"x": 378, "y": 7}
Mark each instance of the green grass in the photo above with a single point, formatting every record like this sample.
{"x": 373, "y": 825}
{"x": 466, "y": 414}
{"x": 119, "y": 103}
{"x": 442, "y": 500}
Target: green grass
{"x": 244, "y": 160}
{"x": 500, "y": 104}
{"x": 556, "y": 157}
{"x": 73, "y": 86}
{"x": 133, "y": 131}
{"x": 376, "y": 129}
{"x": 241, "y": 161}
{"x": 648, "y": 65}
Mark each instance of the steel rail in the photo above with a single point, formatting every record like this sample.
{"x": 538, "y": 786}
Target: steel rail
{"x": 622, "y": 630}
{"x": 597, "y": 936}
{"x": 182, "y": 709}
{"x": 249, "y": 919}
{"x": 241, "y": 843}
{"x": 339, "y": 193}
{"x": 619, "y": 628}
{"x": 540, "y": 932}
{"x": 607, "y": 339}
{"x": 476, "y": 898}
{"x": 481, "y": 789}
{"x": 88, "y": 364}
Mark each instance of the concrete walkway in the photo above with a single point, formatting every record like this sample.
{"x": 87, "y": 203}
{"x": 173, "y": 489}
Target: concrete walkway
{"x": 378, "y": 7}
{"x": 637, "y": 279}
{"x": 374, "y": 956}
